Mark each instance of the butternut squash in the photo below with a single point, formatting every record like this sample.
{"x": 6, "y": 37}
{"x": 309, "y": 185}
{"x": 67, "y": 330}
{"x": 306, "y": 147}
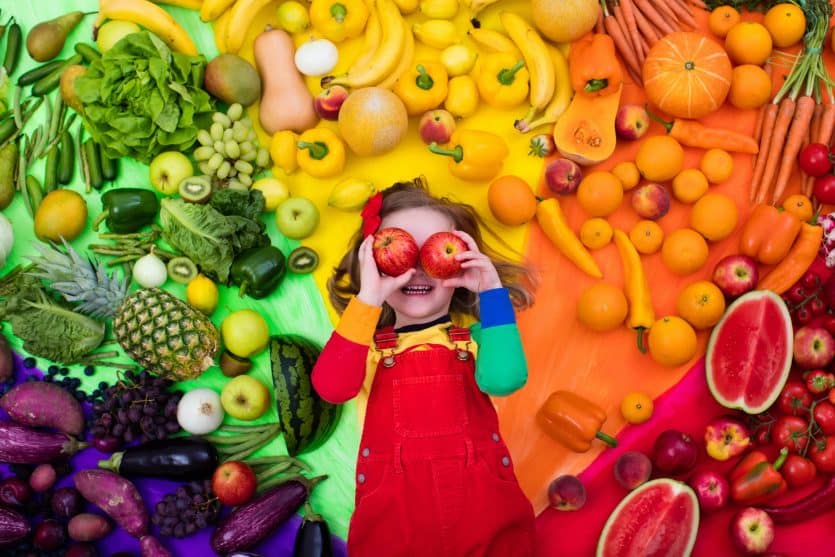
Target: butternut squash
{"x": 286, "y": 102}
{"x": 585, "y": 133}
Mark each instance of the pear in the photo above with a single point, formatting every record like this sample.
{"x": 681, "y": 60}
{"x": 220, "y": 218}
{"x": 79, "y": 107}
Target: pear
{"x": 46, "y": 39}
{"x": 68, "y": 93}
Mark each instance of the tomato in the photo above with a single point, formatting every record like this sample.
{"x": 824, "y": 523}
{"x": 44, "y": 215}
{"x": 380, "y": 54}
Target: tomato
{"x": 817, "y": 306}
{"x": 814, "y": 159}
{"x": 810, "y": 281}
{"x": 825, "y": 188}
{"x": 797, "y": 293}
{"x": 794, "y": 399}
{"x": 819, "y": 381}
{"x": 798, "y": 471}
{"x": 832, "y": 396}
{"x": 791, "y": 432}
{"x": 824, "y": 414}
{"x": 828, "y": 323}
{"x": 822, "y": 453}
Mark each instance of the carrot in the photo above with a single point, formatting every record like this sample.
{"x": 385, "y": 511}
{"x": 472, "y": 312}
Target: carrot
{"x": 598, "y": 27}
{"x": 647, "y": 29}
{"x": 667, "y": 12}
{"x": 814, "y": 125}
{"x": 631, "y": 25}
{"x": 683, "y": 12}
{"x": 617, "y": 13}
{"x": 778, "y": 141}
{"x": 653, "y": 17}
{"x": 804, "y": 110}
{"x": 827, "y": 125}
{"x": 699, "y": 4}
{"x": 645, "y": 46}
{"x": 769, "y": 118}
{"x": 614, "y": 31}
{"x": 758, "y": 131}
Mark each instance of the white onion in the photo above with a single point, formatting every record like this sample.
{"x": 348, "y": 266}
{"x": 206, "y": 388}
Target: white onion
{"x": 199, "y": 411}
{"x": 149, "y": 271}
{"x": 316, "y": 57}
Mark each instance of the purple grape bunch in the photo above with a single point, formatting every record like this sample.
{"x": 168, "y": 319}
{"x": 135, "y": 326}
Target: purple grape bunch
{"x": 190, "y": 508}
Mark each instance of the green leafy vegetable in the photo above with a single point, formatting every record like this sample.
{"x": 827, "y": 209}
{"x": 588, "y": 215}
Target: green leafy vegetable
{"x": 249, "y": 204}
{"x": 140, "y": 98}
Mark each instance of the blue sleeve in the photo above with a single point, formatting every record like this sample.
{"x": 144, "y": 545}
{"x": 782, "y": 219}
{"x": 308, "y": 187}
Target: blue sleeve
{"x": 501, "y": 368}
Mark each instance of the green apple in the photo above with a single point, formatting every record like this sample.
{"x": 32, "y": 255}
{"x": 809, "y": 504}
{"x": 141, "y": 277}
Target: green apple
{"x": 245, "y": 398}
{"x": 168, "y": 169}
{"x": 113, "y": 31}
{"x": 296, "y": 217}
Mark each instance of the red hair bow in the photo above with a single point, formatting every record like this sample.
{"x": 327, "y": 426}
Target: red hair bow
{"x": 371, "y": 214}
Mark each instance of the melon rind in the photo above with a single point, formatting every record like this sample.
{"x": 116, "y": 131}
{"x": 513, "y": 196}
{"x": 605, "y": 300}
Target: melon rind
{"x": 677, "y": 488}
{"x": 782, "y": 377}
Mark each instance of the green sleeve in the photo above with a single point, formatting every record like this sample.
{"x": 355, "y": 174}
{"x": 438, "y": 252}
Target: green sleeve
{"x": 501, "y": 367}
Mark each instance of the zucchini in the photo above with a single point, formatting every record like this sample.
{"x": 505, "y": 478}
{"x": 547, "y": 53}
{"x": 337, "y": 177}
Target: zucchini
{"x": 185, "y": 459}
{"x": 305, "y": 418}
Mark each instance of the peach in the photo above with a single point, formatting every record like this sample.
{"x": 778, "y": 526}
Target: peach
{"x": 567, "y": 493}
{"x": 563, "y": 176}
{"x": 632, "y": 469}
{"x": 631, "y": 121}
{"x": 651, "y": 201}
{"x": 329, "y": 101}
{"x": 436, "y": 126}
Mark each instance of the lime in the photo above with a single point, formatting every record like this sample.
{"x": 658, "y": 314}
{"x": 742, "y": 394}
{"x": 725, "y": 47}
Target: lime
{"x": 112, "y": 32}
{"x": 293, "y": 17}
{"x": 245, "y": 333}
{"x": 275, "y": 191}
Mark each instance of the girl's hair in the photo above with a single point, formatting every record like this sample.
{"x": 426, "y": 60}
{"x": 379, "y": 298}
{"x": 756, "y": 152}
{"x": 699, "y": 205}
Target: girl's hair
{"x": 518, "y": 279}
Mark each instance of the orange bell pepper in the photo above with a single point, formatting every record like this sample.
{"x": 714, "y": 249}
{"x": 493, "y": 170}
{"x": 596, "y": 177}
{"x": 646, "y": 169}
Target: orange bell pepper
{"x": 768, "y": 234}
{"x": 574, "y": 421}
{"x": 593, "y": 66}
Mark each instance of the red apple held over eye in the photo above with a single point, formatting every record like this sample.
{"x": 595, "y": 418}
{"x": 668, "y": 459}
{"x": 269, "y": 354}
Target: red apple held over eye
{"x": 814, "y": 347}
{"x": 234, "y": 483}
{"x": 735, "y": 275}
{"x": 329, "y": 101}
{"x": 436, "y": 126}
{"x": 631, "y": 122}
{"x": 395, "y": 251}
{"x": 752, "y": 531}
{"x": 437, "y": 255}
{"x": 563, "y": 176}
{"x": 712, "y": 489}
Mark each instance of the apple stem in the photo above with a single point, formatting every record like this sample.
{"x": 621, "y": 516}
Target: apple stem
{"x": 457, "y": 153}
{"x": 608, "y": 439}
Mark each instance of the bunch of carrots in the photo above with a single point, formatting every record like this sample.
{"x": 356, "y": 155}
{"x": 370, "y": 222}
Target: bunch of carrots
{"x": 636, "y": 25}
{"x": 796, "y": 115}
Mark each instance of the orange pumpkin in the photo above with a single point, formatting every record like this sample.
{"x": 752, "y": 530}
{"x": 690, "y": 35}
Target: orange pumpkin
{"x": 687, "y": 75}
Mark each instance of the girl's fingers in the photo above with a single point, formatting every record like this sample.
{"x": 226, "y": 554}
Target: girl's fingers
{"x": 471, "y": 243}
{"x": 467, "y": 255}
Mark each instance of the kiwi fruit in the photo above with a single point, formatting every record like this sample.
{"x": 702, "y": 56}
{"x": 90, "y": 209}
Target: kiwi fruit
{"x": 232, "y": 365}
{"x": 196, "y": 189}
{"x": 182, "y": 269}
{"x": 302, "y": 260}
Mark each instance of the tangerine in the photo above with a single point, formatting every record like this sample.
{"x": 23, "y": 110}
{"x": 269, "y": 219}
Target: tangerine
{"x": 602, "y": 307}
{"x": 714, "y": 216}
{"x": 647, "y": 236}
{"x": 511, "y": 200}
{"x": 800, "y": 206}
{"x": 659, "y": 158}
{"x": 672, "y": 341}
{"x": 689, "y": 185}
{"x": 748, "y": 42}
{"x": 722, "y": 19}
{"x": 596, "y": 233}
{"x": 786, "y": 23}
{"x": 717, "y": 165}
{"x": 636, "y": 408}
{"x": 701, "y": 304}
{"x": 750, "y": 87}
{"x": 600, "y": 193}
{"x": 627, "y": 173}
{"x": 684, "y": 251}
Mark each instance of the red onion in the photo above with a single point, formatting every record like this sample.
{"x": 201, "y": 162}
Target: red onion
{"x": 674, "y": 453}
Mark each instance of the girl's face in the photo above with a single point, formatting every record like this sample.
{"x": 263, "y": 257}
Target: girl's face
{"x": 423, "y": 298}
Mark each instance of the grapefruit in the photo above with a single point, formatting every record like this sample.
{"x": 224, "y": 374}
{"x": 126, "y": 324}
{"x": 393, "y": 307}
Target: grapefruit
{"x": 372, "y": 121}
{"x": 662, "y": 513}
{"x": 749, "y": 353}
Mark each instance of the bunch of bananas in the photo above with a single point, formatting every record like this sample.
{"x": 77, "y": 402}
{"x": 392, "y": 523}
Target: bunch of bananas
{"x": 153, "y": 18}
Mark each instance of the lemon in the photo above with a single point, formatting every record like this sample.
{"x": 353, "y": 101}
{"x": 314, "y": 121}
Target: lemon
{"x": 458, "y": 59}
{"x": 275, "y": 191}
{"x": 245, "y": 333}
{"x": 202, "y": 294}
{"x": 293, "y": 17}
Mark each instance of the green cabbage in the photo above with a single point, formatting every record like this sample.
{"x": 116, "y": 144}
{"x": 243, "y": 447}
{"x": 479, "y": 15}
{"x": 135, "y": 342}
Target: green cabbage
{"x": 140, "y": 98}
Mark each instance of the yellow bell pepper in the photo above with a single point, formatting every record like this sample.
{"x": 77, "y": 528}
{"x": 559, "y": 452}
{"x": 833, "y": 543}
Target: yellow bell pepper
{"x": 338, "y": 20}
{"x": 503, "y": 80}
{"x": 320, "y": 153}
{"x": 462, "y": 96}
{"x": 641, "y": 313}
{"x": 474, "y": 155}
{"x": 552, "y": 221}
{"x": 422, "y": 87}
{"x": 283, "y": 151}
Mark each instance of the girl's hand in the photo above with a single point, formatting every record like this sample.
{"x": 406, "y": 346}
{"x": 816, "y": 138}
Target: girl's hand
{"x": 374, "y": 287}
{"x": 477, "y": 271}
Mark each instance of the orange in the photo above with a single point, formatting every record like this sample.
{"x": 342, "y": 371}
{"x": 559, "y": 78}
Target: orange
{"x": 627, "y": 173}
{"x": 659, "y": 158}
{"x": 595, "y": 233}
{"x": 722, "y": 19}
{"x": 636, "y": 408}
{"x": 646, "y": 236}
{"x": 511, "y": 200}
{"x": 684, "y": 251}
{"x": 672, "y": 341}
{"x": 717, "y": 165}
{"x": 600, "y": 193}
{"x": 748, "y": 42}
{"x": 689, "y": 185}
{"x": 800, "y": 206}
{"x": 786, "y": 23}
{"x": 701, "y": 304}
{"x": 602, "y": 307}
{"x": 750, "y": 87}
{"x": 714, "y": 216}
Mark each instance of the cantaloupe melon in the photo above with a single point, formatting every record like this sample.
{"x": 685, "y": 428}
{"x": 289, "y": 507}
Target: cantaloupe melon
{"x": 565, "y": 20}
{"x": 372, "y": 121}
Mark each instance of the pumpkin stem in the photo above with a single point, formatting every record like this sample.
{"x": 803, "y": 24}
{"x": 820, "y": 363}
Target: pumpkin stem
{"x": 667, "y": 125}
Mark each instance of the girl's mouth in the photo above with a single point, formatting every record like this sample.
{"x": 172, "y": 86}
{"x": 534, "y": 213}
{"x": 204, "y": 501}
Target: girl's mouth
{"x": 416, "y": 289}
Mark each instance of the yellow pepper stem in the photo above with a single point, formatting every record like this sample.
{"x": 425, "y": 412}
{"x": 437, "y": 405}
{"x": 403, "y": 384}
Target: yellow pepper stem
{"x": 508, "y": 75}
{"x": 423, "y": 80}
{"x": 457, "y": 153}
{"x": 339, "y": 12}
{"x": 318, "y": 149}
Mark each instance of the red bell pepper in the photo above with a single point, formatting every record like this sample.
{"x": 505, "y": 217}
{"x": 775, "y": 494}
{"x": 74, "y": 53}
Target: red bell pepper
{"x": 755, "y": 480}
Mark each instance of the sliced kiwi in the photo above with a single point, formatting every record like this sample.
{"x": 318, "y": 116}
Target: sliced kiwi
{"x": 232, "y": 365}
{"x": 302, "y": 260}
{"x": 182, "y": 269}
{"x": 196, "y": 189}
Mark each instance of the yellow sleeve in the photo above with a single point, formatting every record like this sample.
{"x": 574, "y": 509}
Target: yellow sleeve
{"x": 358, "y": 322}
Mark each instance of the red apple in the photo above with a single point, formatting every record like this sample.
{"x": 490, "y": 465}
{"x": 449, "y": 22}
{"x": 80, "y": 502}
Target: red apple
{"x": 752, "y": 531}
{"x": 395, "y": 251}
{"x": 814, "y": 347}
{"x": 631, "y": 122}
{"x": 735, "y": 275}
{"x": 563, "y": 176}
{"x": 437, "y": 255}
{"x": 712, "y": 489}
{"x": 651, "y": 201}
{"x": 436, "y": 126}
{"x": 329, "y": 101}
{"x": 234, "y": 483}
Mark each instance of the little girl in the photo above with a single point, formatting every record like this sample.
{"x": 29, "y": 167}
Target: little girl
{"x": 434, "y": 478}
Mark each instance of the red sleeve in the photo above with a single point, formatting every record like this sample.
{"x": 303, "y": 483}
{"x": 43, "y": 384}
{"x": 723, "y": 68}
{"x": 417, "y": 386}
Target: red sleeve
{"x": 340, "y": 369}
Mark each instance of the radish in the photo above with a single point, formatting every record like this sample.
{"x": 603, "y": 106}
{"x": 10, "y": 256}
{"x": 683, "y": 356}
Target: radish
{"x": 117, "y": 497}
{"x": 40, "y": 404}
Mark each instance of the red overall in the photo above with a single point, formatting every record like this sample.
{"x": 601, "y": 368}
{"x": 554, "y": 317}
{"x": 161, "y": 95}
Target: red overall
{"x": 434, "y": 478}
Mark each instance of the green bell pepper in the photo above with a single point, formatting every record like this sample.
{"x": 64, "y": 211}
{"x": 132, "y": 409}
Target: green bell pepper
{"x": 127, "y": 210}
{"x": 258, "y": 271}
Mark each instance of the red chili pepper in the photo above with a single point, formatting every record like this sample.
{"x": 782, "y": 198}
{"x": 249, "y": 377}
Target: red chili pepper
{"x": 811, "y": 506}
{"x": 819, "y": 381}
{"x": 756, "y": 480}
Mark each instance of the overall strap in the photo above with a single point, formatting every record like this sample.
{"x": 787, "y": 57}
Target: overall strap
{"x": 385, "y": 342}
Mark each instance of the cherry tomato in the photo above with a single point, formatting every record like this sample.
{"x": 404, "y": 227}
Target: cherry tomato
{"x": 810, "y": 281}
{"x": 832, "y": 396}
{"x": 791, "y": 432}
{"x": 762, "y": 436}
{"x": 828, "y": 323}
{"x": 794, "y": 399}
{"x": 814, "y": 159}
{"x": 798, "y": 471}
{"x": 822, "y": 453}
{"x": 824, "y": 414}
{"x": 817, "y": 306}
{"x": 825, "y": 188}
{"x": 797, "y": 293}
{"x": 819, "y": 381}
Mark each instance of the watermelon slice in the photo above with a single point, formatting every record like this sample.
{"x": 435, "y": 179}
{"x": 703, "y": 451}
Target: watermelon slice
{"x": 749, "y": 354}
{"x": 657, "y": 519}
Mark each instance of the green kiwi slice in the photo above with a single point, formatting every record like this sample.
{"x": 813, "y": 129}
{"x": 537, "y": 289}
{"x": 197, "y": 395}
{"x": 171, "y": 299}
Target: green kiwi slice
{"x": 182, "y": 269}
{"x": 302, "y": 260}
{"x": 196, "y": 189}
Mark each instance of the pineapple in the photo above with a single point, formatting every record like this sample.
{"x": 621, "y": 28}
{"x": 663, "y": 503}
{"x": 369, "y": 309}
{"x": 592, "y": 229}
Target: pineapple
{"x": 156, "y": 329}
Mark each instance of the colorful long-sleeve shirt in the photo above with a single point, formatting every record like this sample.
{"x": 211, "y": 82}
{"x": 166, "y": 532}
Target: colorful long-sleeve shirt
{"x": 346, "y": 366}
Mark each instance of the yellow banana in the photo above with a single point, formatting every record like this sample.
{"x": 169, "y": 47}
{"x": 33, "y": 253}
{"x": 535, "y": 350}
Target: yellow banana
{"x": 535, "y": 52}
{"x": 407, "y": 6}
{"x": 493, "y": 41}
{"x": 559, "y": 102}
{"x": 243, "y": 13}
{"x": 351, "y": 194}
{"x": 476, "y": 6}
{"x": 188, "y": 4}
{"x": 150, "y": 16}
{"x": 373, "y": 35}
{"x": 406, "y": 58}
{"x": 213, "y": 9}
{"x": 220, "y": 30}
{"x": 437, "y": 33}
{"x": 386, "y": 57}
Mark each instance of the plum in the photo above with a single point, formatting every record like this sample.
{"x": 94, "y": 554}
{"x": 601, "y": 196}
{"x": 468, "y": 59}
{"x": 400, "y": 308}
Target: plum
{"x": 82, "y": 550}
{"x": 632, "y": 469}
{"x": 567, "y": 493}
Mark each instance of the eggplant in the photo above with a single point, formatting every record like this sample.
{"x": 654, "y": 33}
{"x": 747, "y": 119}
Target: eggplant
{"x": 13, "y": 526}
{"x": 253, "y": 522}
{"x": 21, "y": 445}
{"x": 187, "y": 458}
{"x": 244, "y": 554}
{"x": 313, "y": 538}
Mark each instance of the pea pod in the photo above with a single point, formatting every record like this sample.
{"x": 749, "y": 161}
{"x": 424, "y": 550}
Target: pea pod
{"x": 91, "y": 152}
{"x": 66, "y": 161}
{"x": 51, "y": 81}
{"x": 40, "y": 72}
{"x": 14, "y": 40}
{"x": 88, "y": 52}
{"x": 50, "y": 177}
{"x": 8, "y": 164}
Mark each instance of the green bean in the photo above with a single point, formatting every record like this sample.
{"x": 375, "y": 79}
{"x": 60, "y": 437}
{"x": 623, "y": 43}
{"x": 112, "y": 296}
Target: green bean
{"x": 35, "y": 192}
{"x": 91, "y": 152}
{"x": 66, "y": 161}
{"x": 14, "y": 41}
{"x": 88, "y": 52}
{"x": 51, "y": 81}
{"x": 57, "y": 117}
{"x": 33, "y": 75}
{"x": 50, "y": 175}
{"x": 109, "y": 167}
